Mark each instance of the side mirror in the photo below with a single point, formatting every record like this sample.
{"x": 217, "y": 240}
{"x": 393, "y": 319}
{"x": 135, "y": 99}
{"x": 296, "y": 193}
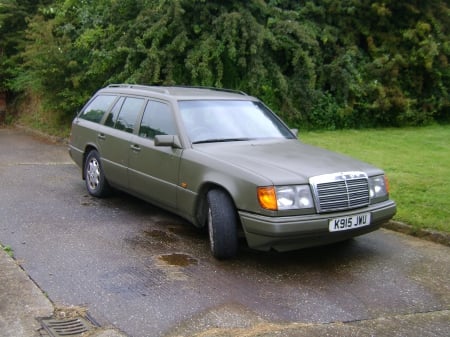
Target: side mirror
{"x": 295, "y": 132}
{"x": 168, "y": 140}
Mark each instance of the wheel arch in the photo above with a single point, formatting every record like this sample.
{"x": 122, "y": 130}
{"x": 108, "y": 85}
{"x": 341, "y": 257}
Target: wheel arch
{"x": 202, "y": 203}
{"x": 87, "y": 150}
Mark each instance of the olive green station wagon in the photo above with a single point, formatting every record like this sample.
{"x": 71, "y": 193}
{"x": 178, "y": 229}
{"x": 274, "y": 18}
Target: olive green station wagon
{"x": 223, "y": 161}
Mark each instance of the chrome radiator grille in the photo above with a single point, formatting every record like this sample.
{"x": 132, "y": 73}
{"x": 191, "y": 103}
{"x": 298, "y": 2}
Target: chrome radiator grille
{"x": 340, "y": 191}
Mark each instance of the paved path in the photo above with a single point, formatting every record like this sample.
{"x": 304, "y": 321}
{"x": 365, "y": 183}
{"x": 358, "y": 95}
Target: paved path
{"x": 148, "y": 273}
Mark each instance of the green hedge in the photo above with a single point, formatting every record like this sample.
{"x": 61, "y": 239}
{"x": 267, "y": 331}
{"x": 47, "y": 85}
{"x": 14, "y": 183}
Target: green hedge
{"x": 326, "y": 64}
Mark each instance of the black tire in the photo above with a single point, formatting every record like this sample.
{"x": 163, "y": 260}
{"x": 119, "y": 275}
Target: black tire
{"x": 96, "y": 183}
{"x": 222, "y": 221}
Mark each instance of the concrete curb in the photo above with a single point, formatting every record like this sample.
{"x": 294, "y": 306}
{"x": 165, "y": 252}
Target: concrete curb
{"x": 23, "y": 304}
{"x": 21, "y": 300}
{"x": 426, "y": 234}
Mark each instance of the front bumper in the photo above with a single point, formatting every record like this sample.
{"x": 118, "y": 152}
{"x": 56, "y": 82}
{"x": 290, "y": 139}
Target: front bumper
{"x": 295, "y": 232}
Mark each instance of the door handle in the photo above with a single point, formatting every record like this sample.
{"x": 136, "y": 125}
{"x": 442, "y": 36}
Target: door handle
{"x": 101, "y": 136}
{"x": 135, "y": 148}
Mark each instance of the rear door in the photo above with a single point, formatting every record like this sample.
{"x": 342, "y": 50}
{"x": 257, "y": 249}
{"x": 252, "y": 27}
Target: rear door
{"x": 115, "y": 136}
{"x": 153, "y": 170}
{"x": 85, "y": 126}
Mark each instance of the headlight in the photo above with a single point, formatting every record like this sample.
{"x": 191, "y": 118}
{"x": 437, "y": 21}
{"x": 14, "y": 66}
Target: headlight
{"x": 285, "y": 197}
{"x": 379, "y": 187}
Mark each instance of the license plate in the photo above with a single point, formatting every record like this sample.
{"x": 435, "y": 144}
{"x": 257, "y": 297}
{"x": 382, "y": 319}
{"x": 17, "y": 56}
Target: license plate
{"x": 349, "y": 222}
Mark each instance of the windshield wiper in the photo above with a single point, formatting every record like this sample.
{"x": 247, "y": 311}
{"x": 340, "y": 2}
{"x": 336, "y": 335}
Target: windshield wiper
{"x": 221, "y": 140}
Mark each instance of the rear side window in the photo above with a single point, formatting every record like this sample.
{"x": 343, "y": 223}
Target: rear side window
{"x": 114, "y": 113}
{"x": 95, "y": 110}
{"x": 157, "y": 120}
{"x": 128, "y": 114}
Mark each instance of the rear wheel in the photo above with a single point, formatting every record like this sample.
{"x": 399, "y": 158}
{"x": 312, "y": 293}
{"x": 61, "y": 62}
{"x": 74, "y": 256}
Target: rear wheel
{"x": 222, "y": 222}
{"x": 96, "y": 183}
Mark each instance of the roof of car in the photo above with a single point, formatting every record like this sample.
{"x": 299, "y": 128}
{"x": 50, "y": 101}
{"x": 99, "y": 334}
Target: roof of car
{"x": 178, "y": 92}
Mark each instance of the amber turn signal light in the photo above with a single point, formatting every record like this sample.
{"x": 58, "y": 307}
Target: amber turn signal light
{"x": 267, "y": 198}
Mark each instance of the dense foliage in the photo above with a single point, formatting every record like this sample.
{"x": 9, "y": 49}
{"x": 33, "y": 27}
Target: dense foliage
{"x": 319, "y": 64}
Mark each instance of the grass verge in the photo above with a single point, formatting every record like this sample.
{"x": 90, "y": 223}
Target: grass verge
{"x": 416, "y": 160}
{"x": 28, "y": 111}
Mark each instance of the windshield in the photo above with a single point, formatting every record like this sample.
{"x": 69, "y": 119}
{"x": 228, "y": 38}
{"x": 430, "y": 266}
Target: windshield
{"x": 218, "y": 121}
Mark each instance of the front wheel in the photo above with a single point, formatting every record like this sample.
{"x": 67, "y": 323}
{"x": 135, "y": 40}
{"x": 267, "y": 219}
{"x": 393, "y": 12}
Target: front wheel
{"x": 96, "y": 183}
{"x": 222, "y": 222}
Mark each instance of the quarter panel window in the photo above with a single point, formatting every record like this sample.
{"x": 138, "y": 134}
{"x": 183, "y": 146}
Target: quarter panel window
{"x": 157, "y": 120}
{"x": 95, "y": 110}
{"x": 128, "y": 114}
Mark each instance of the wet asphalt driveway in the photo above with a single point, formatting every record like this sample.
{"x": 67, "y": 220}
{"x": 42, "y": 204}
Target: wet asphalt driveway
{"x": 148, "y": 273}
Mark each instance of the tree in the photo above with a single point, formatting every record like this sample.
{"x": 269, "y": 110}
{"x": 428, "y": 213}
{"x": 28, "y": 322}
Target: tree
{"x": 320, "y": 64}
{"x": 13, "y": 23}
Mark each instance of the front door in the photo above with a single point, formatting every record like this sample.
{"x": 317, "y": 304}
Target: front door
{"x": 153, "y": 170}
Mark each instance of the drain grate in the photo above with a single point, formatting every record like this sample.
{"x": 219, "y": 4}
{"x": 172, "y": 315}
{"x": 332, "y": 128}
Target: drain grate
{"x": 75, "y": 326}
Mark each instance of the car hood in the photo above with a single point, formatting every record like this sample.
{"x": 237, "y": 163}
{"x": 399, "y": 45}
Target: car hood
{"x": 283, "y": 161}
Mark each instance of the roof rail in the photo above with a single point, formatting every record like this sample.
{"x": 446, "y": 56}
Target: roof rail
{"x": 211, "y": 88}
{"x": 165, "y": 89}
{"x": 140, "y": 86}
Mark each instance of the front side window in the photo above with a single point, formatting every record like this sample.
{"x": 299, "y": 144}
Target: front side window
{"x": 128, "y": 114}
{"x": 95, "y": 110}
{"x": 157, "y": 120}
